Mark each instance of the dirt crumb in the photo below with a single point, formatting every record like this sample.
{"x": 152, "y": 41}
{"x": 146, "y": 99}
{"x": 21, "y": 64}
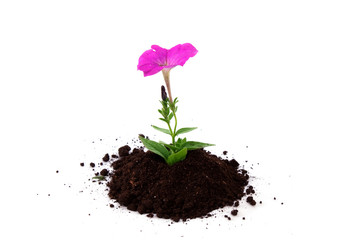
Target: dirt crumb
{"x": 251, "y": 200}
{"x": 104, "y": 172}
{"x": 124, "y": 151}
{"x": 106, "y": 158}
{"x": 234, "y": 212}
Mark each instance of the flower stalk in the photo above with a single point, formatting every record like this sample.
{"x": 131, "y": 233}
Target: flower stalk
{"x": 166, "y": 74}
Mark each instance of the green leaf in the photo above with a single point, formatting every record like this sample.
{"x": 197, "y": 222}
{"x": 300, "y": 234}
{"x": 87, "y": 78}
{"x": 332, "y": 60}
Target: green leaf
{"x": 162, "y": 129}
{"x": 171, "y": 116}
{"x": 176, "y": 100}
{"x": 173, "y": 105}
{"x": 164, "y": 104}
{"x": 184, "y": 130}
{"x": 191, "y": 145}
{"x": 155, "y": 147}
{"x": 162, "y": 119}
{"x": 172, "y": 147}
{"x": 100, "y": 178}
{"x": 178, "y": 144}
{"x": 177, "y": 157}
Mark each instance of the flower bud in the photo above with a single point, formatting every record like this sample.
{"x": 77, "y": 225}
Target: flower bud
{"x": 163, "y": 93}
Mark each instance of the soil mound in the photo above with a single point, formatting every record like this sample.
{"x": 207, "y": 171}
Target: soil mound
{"x": 192, "y": 188}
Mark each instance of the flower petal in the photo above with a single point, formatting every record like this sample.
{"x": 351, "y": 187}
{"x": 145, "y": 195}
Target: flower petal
{"x": 179, "y": 54}
{"x": 161, "y": 54}
{"x": 150, "y": 69}
{"x": 152, "y": 61}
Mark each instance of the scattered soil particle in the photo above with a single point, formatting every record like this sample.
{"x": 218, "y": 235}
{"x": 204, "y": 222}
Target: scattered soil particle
{"x": 192, "y": 188}
{"x": 234, "y": 212}
{"x": 251, "y": 200}
{"x": 106, "y": 158}
{"x": 150, "y": 215}
{"x": 243, "y": 218}
{"x": 82, "y": 164}
{"x": 104, "y": 172}
{"x": 124, "y": 151}
{"x": 111, "y": 205}
{"x": 114, "y": 156}
{"x": 225, "y": 152}
{"x": 57, "y": 171}
{"x": 236, "y": 204}
{"x": 226, "y": 216}
{"x": 250, "y": 190}
{"x": 92, "y": 164}
{"x": 260, "y": 202}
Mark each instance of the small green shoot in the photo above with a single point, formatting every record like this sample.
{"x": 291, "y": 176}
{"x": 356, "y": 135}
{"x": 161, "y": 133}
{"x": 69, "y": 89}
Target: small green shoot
{"x": 177, "y": 150}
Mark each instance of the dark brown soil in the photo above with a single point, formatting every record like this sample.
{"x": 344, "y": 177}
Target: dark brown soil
{"x": 106, "y": 158}
{"x": 104, "y": 172}
{"x": 192, "y": 188}
{"x": 234, "y": 212}
{"x": 251, "y": 200}
{"x": 124, "y": 151}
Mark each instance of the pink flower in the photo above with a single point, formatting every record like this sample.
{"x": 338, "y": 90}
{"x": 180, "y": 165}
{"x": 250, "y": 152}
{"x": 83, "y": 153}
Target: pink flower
{"x": 160, "y": 59}
{"x": 156, "y": 59}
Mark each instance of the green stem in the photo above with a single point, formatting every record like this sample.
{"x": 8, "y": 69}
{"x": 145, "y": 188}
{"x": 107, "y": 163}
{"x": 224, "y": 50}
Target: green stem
{"x": 172, "y": 133}
{"x": 175, "y": 123}
{"x": 173, "y": 139}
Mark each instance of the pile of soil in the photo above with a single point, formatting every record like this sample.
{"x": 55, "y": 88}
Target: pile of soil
{"x": 192, "y": 188}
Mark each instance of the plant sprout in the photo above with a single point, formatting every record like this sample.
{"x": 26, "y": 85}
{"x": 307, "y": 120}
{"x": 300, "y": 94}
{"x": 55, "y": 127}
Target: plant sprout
{"x": 151, "y": 62}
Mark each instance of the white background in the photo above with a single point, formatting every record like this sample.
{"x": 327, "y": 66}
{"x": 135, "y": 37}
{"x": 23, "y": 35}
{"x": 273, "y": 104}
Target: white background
{"x": 280, "y": 77}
